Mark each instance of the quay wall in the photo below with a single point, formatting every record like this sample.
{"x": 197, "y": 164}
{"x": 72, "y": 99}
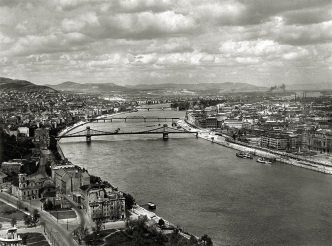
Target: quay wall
{"x": 298, "y": 161}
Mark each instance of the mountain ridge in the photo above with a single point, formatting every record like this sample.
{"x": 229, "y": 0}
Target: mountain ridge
{"x": 104, "y": 87}
{"x": 87, "y": 87}
{"x": 7, "y": 84}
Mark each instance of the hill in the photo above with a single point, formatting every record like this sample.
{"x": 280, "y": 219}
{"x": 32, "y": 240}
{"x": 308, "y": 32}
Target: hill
{"x": 7, "y": 84}
{"x": 103, "y": 88}
{"x": 227, "y": 86}
{"x": 88, "y": 88}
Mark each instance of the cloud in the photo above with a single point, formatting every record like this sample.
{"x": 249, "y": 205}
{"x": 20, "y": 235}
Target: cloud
{"x": 250, "y": 48}
{"x": 207, "y": 58}
{"x": 165, "y": 39}
{"x": 247, "y": 60}
{"x": 298, "y": 54}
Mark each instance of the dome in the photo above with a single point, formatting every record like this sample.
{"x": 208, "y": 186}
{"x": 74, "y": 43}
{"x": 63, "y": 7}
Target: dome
{"x": 48, "y": 184}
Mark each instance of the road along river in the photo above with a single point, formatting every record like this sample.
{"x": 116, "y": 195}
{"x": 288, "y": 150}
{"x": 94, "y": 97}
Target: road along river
{"x": 205, "y": 189}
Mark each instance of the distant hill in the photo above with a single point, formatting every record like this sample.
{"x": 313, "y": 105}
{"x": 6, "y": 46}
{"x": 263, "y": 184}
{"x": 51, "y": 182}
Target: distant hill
{"x": 88, "y": 88}
{"x": 227, "y": 86}
{"x": 310, "y": 87}
{"x": 111, "y": 87}
{"x": 7, "y": 84}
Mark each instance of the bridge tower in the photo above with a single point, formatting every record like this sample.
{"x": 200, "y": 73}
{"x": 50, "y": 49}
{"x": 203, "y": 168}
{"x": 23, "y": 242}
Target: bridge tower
{"x": 165, "y": 132}
{"x": 88, "y": 134}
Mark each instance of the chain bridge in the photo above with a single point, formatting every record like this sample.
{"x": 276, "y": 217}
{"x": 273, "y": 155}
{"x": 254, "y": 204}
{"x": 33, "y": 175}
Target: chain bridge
{"x": 154, "y": 109}
{"x": 88, "y": 133}
{"x": 144, "y": 118}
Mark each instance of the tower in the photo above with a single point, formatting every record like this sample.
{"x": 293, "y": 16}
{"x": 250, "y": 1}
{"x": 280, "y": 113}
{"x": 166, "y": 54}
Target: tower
{"x": 88, "y": 134}
{"x": 22, "y": 179}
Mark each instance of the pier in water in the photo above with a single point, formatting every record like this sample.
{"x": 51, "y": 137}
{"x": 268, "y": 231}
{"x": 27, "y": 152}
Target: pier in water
{"x": 205, "y": 189}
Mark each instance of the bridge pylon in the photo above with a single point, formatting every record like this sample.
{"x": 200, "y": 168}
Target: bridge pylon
{"x": 165, "y": 132}
{"x": 88, "y": 134}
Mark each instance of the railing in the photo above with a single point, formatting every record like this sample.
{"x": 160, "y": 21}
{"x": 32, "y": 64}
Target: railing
{"x": 92, "y": 132}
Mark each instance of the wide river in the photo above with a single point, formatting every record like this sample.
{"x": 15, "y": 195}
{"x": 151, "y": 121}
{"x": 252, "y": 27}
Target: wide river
{"x": 205, "y": 189}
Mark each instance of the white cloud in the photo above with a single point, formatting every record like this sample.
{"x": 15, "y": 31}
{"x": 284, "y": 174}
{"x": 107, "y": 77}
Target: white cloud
{"x": 165, "y": 39}
{"x": 247, "y": 60}
{"x": 298, "y": 54}
{"x": 207, "y": 58}
{"x": 250, "y": 48}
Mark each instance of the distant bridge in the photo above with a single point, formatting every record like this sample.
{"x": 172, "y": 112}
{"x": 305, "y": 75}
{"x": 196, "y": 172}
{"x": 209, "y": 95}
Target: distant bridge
{"x": 144, "y": 118}
{"x": 88, "y": 133}
{"x": 155, "y": 109}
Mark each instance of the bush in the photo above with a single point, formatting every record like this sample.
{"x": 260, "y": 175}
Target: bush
{"x": 9, "y": 211}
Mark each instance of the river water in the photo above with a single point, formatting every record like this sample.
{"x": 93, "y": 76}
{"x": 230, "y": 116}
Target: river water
{"x": 205, "y": 189}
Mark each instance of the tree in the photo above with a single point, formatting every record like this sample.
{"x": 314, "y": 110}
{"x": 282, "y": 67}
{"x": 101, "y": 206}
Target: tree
{"x": 48, "y": 205}
{"x": 206, "y": 240}
{"x": 95, "y": 179}
{"x": 0, "y": 226}
{"x": 283, "y": 87}
{"x": 99, "y": 225}
{"x": 27, "y": 220}
{"x": 138, "y": 225}
{"x": 35, "y": 216}
{"x": 130, "y": 201}
{"x": 161, "y": 238}
{"x": 130, "y": 226}
{"x": 81, "y": 232}
{"x": 161, "y": 222}
{"x": 193, "y": 240}
{"x": 175, "y": 237}
{"x": 24, "y": 239}
{"x": 13, "y": 222}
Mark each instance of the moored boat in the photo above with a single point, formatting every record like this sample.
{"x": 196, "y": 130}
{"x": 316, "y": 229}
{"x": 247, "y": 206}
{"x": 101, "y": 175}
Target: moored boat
{"x": 265, "y": 160}
{"x": 152, "y": 205}
{"x": 244, "y": 155}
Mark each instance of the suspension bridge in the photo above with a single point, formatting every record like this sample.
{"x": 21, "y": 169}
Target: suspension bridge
{"x": 155, "y": 109}
{"x": 88, "y": 133}
{"x": 144, "y": 118}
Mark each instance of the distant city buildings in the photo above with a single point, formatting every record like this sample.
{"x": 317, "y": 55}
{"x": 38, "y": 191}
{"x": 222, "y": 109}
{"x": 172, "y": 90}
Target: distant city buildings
{"x": 286, "y": 122}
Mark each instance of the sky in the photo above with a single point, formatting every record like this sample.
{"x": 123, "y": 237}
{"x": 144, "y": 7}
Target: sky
{"x": 128, "y": 42}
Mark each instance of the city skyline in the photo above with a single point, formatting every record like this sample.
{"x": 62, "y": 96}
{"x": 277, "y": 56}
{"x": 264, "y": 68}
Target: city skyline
{"x": 264, "y": 43}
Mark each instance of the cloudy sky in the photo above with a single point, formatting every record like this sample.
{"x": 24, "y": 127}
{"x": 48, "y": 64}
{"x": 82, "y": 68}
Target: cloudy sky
{"x": 262, "y": 42}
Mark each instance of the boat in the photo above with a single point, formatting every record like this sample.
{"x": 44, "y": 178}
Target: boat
{"x": 244, "y": 155}
{"x": 152, "y": 205}
{"x": 265, "y": 160}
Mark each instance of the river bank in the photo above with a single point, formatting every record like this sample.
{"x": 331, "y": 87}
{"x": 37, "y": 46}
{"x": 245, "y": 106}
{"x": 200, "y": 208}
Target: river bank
{"x": 81, "y": 123}
{"x": 137, "y": 210}
{"x": 279, "y": 156}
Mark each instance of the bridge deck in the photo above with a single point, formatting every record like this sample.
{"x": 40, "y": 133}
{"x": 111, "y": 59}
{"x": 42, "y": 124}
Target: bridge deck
{"x": 137, "y": 118}
{"x": 122, "y": 133}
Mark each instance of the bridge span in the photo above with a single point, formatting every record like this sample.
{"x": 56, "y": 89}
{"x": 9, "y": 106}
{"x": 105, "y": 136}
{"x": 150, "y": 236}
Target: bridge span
{"x": 154, "y": 109}
{"x": 144, "y": 118}
{"x": 88, "y": 133}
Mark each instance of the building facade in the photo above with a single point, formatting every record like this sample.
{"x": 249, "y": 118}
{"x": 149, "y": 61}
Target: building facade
{"x": 105, "y": 204}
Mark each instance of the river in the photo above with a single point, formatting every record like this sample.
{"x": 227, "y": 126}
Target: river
{"x": 205, "y": 189}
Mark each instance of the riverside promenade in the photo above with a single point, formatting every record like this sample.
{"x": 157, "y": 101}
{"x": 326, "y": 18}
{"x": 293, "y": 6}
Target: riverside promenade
{"x": 315, "y": 164}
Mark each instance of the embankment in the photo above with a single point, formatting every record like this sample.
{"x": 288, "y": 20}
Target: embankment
{"x": 289, "y": 159}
